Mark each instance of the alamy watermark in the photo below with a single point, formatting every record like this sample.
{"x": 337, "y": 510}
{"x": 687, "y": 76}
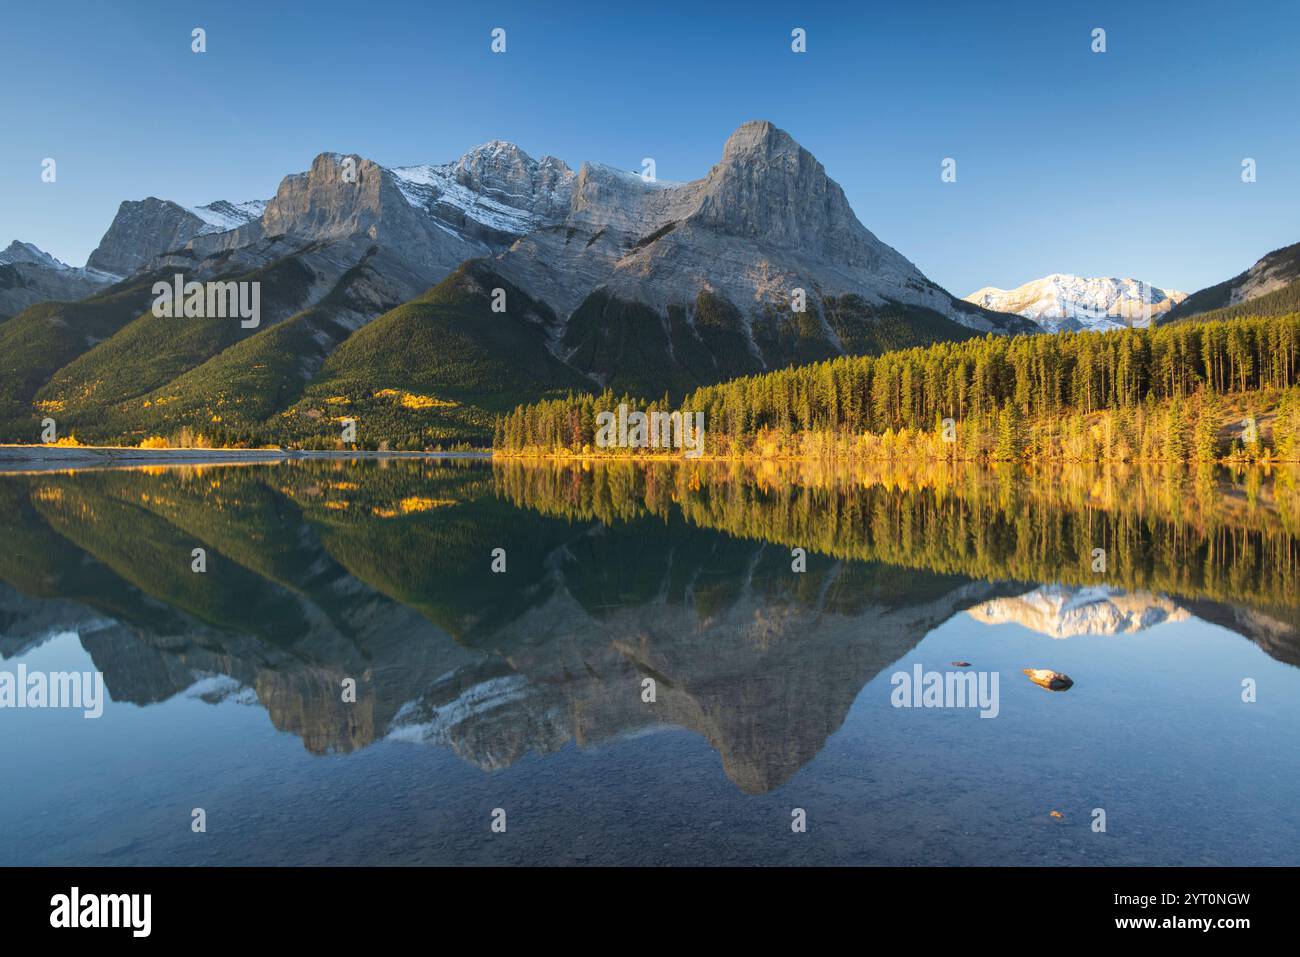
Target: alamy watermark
{"x": 74, "y": 909}
{"x": 208, "y": 300}
{"x": 654, "y": 430}
{"x": 53, "y": 689}
{"x": 946, "y": 689}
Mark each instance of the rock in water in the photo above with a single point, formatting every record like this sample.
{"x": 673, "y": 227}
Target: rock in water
{"x": 1051, "y": 680}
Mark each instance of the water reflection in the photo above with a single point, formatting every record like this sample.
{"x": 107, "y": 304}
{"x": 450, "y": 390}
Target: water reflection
{"x": 381, "y": 573}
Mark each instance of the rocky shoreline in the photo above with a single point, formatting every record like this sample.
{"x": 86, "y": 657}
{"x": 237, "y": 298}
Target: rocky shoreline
{"x": 29, "y": 458}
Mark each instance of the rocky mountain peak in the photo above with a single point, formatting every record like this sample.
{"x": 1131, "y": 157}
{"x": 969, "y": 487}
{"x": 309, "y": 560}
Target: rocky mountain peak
{"x": 760, "y": 138}
{"x": 496, "y": 154}
{"x": 766, "y": 219}
{"x": 497, "y": 167}
{"x": 554, "y": 163}
{"x": 20, "y": 252}
{"x": 339, "y": 195}
{"x": 770, "y": 188}
{"x": 141, "y": 230}
{"x": 502, "y": 172}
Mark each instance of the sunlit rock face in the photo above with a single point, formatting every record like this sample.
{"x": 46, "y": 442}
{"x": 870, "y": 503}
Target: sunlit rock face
{"x": 1061, "y": 612}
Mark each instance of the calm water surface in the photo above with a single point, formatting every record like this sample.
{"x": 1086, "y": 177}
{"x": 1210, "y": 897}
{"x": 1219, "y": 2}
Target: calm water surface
{"x": 523, "y": 690}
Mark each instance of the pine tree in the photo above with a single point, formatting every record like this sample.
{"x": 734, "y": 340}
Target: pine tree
{"x": 1009, "y": 438}
{"x": 1206, "y": 438}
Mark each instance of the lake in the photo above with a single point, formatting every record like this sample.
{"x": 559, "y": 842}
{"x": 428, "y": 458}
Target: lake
{"x": 469, "y": 662}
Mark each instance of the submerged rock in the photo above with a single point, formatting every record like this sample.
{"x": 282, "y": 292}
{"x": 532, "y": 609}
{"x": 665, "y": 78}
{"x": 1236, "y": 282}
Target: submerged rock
{"x": 1051, "y": 680}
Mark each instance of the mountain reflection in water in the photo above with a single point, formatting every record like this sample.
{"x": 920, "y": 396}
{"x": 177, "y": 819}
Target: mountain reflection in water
{"x": 381, "y": 572}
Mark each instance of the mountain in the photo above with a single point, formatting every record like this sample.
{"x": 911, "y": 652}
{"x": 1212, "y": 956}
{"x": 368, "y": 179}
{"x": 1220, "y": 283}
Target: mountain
{"x": 1065, "y": 303}
{"x": 26, "y": 253}
{"x": 494, "y": 192}
{"x": 610, "y": 281}
{"x": 29, "y": 275}
{"x": 1060, "y": 611}
{"x": 1064, "y": 612}
{"x": 150, "y": 351}
{"x": 143, "y": 229}
{"x": 666, "y": 286}
{"x": 220, "y": 216}
{"x": 314, "y": 251}
{"x": 1271, "y": 287}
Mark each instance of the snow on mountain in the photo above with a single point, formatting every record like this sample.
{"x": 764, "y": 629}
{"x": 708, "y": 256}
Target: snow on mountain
{"x": 429, "y": 187}
{"x": 633, "y": 178}
{"x": 497, "y": 186}
{"x": 765, "y": 220}
{"x": 146, "y": 228}
{"x": 1061, "y": 612}
{"x": 220, "y": 216}
{"x": 1062, "y": 302}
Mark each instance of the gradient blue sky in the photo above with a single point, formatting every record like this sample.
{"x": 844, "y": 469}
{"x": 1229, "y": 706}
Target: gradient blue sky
{"x": 1123, "y": 163}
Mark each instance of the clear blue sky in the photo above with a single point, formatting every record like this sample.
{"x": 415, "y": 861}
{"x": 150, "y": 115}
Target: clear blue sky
{"x": 1122, "y": 163}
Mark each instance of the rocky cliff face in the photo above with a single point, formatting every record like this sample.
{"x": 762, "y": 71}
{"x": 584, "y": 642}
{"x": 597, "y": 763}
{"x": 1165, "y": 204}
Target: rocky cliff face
{"x": 503, "y": 173}
{"x": 147, "y": 228}
{"x": 141, "y": 230}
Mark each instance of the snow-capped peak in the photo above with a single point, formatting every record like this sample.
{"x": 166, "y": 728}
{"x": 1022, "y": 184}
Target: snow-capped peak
{"x": 1064, "y": 302}
{"x": 20, "y": 252}
{"x": 495, "y": 150}
{"x": 1060, "y": 611}
{"x": 221, "y": 216}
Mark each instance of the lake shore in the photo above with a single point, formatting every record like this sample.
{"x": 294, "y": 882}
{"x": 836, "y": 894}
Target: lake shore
{"x": 39, "y": 458}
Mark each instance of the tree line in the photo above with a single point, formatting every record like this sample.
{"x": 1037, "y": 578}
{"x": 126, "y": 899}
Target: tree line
{"x": 1006, "y": 396}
